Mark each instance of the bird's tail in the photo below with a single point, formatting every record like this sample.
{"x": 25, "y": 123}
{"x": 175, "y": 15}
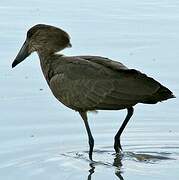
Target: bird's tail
{"x": 162, "y": 94}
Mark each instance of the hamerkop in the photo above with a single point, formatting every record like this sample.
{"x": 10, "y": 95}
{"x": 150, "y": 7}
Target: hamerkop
{"x": 89, "y": 83}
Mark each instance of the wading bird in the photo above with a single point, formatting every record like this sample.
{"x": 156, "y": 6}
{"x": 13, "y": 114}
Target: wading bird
{"x": 89, "y": 83}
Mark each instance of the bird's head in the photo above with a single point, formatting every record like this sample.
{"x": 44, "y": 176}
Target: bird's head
{"x": 43, "y": 39}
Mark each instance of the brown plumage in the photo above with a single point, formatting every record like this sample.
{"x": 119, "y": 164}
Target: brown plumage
{"x": 87, "y": 83}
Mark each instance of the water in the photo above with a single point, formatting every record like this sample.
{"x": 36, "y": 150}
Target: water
{"x": 42, "y": 139}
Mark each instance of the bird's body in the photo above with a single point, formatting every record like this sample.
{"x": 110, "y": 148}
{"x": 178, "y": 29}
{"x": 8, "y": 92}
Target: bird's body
{"x": 87, "y": 83}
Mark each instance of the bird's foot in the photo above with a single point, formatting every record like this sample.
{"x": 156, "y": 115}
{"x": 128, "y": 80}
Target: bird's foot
{"x": 117, "y": 147}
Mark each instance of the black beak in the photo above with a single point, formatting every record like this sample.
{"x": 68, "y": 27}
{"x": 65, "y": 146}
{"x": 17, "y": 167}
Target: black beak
{"x": 23, "y": 53}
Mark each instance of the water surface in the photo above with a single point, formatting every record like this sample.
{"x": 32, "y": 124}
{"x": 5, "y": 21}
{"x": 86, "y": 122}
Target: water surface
{"x": 42, "y": 139}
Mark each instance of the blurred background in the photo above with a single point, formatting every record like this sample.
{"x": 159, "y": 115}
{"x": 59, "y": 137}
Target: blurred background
{"x": 42, "y": 139}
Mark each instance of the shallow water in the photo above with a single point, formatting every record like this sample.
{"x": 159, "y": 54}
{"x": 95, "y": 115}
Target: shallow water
{"x": 42, "y": 139}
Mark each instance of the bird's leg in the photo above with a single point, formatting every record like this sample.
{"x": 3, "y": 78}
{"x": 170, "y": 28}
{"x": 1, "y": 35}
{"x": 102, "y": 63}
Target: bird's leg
{"x": 90, "y": 137}
{"x": 117, "y": 144}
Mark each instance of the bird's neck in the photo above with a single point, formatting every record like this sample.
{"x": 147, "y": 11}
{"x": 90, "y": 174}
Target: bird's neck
{"x": 44, "y": 54}
{"x": 45, "y": 62}
{"x": 48, "y": 63}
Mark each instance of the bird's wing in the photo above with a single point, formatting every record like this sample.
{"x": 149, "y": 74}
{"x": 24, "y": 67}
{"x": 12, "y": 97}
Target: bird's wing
{"x": 105, "y": 62}
{"x": 86, "y": 85}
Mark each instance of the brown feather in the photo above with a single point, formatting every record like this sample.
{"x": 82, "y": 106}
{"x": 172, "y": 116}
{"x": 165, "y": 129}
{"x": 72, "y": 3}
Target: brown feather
{"x": 89, "y": 84}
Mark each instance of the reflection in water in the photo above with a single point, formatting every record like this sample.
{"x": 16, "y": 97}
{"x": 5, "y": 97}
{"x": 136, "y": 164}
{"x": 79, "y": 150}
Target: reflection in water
{"x": 114, "y": 163}
{"x": 150, "y": 157}
{"x": 92, "y": 167}
{"x": 118, "y": 174}
{"x": 141, "y": 157}
{"x": 117, "y": 163}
